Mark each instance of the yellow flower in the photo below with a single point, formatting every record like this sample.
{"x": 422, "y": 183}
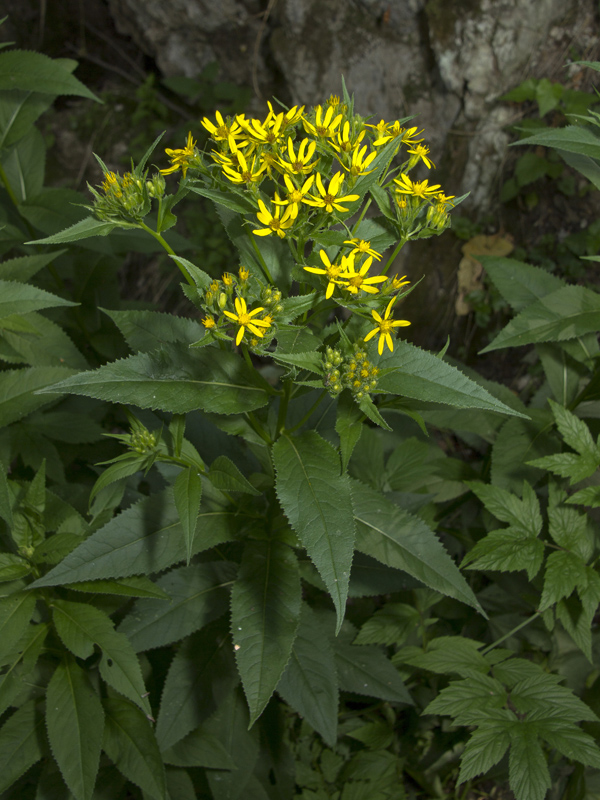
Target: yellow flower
{"x": 244, "y": 274}
{"x": 227, "y": 278}
{"x": 222, "y": 131}
{"x": 355, "y": 281}
{"x": 274, "y": 223}
{"x": 362, "y": 247}
{"x": 397, "y": 282}
{"x": 246, "y": 174}
{"x": 329, "y": 199}
{"x": 244, "y": 319}
{"x": 332, "y": 271}
{"x": 268, "y": 132}
{"x": 324, "y": 127}
{"x": 445, "y": 199}
{"x": 180, "y": 159}
{"x": 290, "y": 117}
{"x": 295, "y": 196}
{"x": 359, "y": 164}
{"x": 111, "y": 182}
{"x": 395, "y": 130}
{"x": 345, "y": 143}
{"x": 385, "y": 327}
{"x": 209, "y": 322}
{"x": 416, "y": 188}
{"x": 420, "y": 151}
{"x": 300, "y": 164}
{"x": 380, "y": 128}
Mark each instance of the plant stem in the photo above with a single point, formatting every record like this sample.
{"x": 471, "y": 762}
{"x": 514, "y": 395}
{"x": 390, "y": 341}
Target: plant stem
{"x": 309, "y": 413}
{"x": 506, "y": 636}
{"x": 168, "y": 248}
{"x": 399, "y": 247}
{"x": 261, "y": 260}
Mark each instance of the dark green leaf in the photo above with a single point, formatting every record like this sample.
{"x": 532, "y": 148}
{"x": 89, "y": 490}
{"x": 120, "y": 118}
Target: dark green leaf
{"x": 528, "y": 772}
{"x": 520, "y": 284}
{"x": 21, "y": 743}
{"x": 135, "y": 586}
{"x": 35, "y": 72}
{"x": 572, "y": 138}
{"x": 19, "y": 387}
{"x": 25, "y": 267}
{"x": 145, "y": 331}
{"x": 224, "y": 475}
{"x": 19, "y": 298}
{"x": 187, "y": 493}
{"x": 365, "y": 670}
{"x": 348, "y": 426}
{"x": 484, "y": 749}
{"x": 15, "y": 612}
{"x": 90, "y": 226}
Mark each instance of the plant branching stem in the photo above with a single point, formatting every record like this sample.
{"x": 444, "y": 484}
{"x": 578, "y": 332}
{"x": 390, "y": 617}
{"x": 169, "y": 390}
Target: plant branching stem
{"x": 506, "y": 636}
{"x": 168, "y": 248}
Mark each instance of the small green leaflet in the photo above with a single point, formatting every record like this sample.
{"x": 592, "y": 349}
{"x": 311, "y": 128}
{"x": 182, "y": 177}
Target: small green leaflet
{"x": 35, "y": 72}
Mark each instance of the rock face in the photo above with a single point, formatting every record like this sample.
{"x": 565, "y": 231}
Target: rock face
{"x": 446, "y": 61}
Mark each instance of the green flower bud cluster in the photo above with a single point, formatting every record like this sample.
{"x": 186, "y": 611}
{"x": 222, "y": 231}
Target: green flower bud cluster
{"x": 142, "y": 441}
{"x": 126, "y": 198}
{"x": 353, "y": 372}
{"x": 332, "y": 360}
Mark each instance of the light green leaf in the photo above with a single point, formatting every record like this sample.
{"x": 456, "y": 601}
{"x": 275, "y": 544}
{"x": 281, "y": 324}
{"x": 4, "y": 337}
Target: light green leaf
{"x": 522, "y": 515}
{"x": 224, "y": 475}
{"x": 145, "y": 331}
{"x": 564, "y": 314}
{"x": 317, "y": 501}
{"x": 265, "y": 613}
{"x": 19, "y": 387}
{"x": 572, "y": 138}
{"x": 572, "y": 742}
{"x": 75, "y": 722}
{"x": 21, "y": 743}
{"x": 187, "y": 493}
{"x": 35, "y": 72}
{"x": 198, "y": 594}
{"x": 90, "y": 226}
{"x": 130, "y": 744}
{"x": 400, "y": 540}
{"x": 528, "y": 772}
{"x": 364, "y": 669}
{"x": 422, "y": 376}
{"x": 144, "y": 539}
{"x": 13, "y": 567}
{"x": 309, "y": 684}
{"x": 449, "y": 655}
{"x": 19, "y": 298}
{"x": 484, "y": 749}
{"x": 174, "y": 379}
{"x": 23, "y": 268}
{"x": 16, "y": 611}
{"x": 81, "y": 626}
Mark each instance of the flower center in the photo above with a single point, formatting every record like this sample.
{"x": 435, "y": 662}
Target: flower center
{"x": 244, "y": 319}
{"x": 275, "y": 224}
{"x": 329, "y": 199}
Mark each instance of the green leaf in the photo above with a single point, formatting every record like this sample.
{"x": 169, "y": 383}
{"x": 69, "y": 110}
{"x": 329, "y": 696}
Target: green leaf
{"x": 519, "y": 283}
{"x": 132, "y": 463}
{"x": 21, "y": 743}
{"x": 449, "y": 655}
{"x": 200, "y": 673}
{"x": 572, "y": 742}
{"x": 574, "y": 431}
{"x": 145, "y": 331}
{"x": 18, "y": 112}
{"x": 21, "y": 663}
{"x": 75, "y": 722}
{"x": 400, "y": 540}
{"x": 135, "y": 586}
{"x": 422, "y": 376}
{"x": 563, "y": 373}
{"x": 507, "y": 550}
{"x": 572, "y": 138}
{"x": 35, "y": 72}
{"x": 317, "y": 501}
{"x": 25, "y": 267}
{"x": 130, "y": 744}
{"x": 564, "y": 571}
{"x": 541, "y": 697}
{"x": 265, "y": 613}
{"x": 176, "y": 380}
{"x": 45, "y": 344}
{"x": 198, "y": 594}
{"x": 564, "y": 314}
{"x": 484, "y": 749}
{"x": 364, "y": 669}
{"x": 571, "y": 530}
{"x": 389, "y": 625}
{"x": 90, "y": 226}
{"x": 187, "y": 493}
{"x": 5, "y": 498}
{"x": 348, "y": 426}
{"x": 517, "y": 442}
{"x": 230, "y": 201}
{"x": 590, "y": 496}
{"x": 224, "y": 475}
{"x": 81, "y": 626}
{"x": 24, "y": 164}
{"x": 522, "y": 515}
{"x": 472, "y": 701}
{"x": 528, "y": 772}
{"x": 309, "y": 684}
{"x": 16, "y": 611}
{"x": 199, "y": 749}
{"x": 567, "y": 465}
{"x": 313, "y": 362}
{"x": 200, "y": 278}
{"x": 19, "y": 298}
{"x": 144, "y": 539}
{"x": 13, "y": 567}
{"x": 19, "y": 387}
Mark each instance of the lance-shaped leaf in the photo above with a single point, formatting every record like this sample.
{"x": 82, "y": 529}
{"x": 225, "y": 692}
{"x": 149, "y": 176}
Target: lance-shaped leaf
{"x": 18, "y": 389}
{"x": 520, "y": 284}
{"x": 398, "y": 539}
{"x": 226, "y": 476}
{"x": 423, "y": 376}
{"x": 265, "y": 612}
{"x": 90, "y": 226}
{"x": 15, "y": 612}
{"x": 564, "y": 314}
{"x": 174, "y": 379}
{"x": 365, "y": 669}
{"x": 36, "y": 72}
{"x": 572, "y": 138}
{"x": 199, "y": 749}
{"x": 75, "y": 722}
{"x": 25, "y": 267}
{"x": 317, "y": 501}
{"x": 21, "y": 743}
{"x": 187, "y": 492}
{"x": 21, "y": 662}
{"x": 148, "y": 330}
{"x": 81, "y": 626}
{"x": 198, "y": 594}
{"x": 144, "y": 539}
{"x": 309, "y": 684}
{"x": 130, "y": 744}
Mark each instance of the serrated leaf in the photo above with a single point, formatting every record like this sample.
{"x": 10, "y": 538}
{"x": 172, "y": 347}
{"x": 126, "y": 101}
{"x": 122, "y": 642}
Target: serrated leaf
{"x": 265, "y": 613}
{"x": 564, "y": 571}
{"x": 19, "y": 387}
{"x": 590, "y": 496}
{"x": 130, "y": 744}
{"x": 81, "y": 626}
{"x": 23, "y": 268}
{"x": 224, "y": 475}
{"x": 145, "y": 331}
{"x": 199, "y": 749}
{"x": 13, "y": 567}
{"x": 567, "y": 465}
{"x": 90, "y": 226}
{"x": 21, "y": 743}
{"x": 403, "y": 541}
{"x": 517, "y": 442}
{"x": 144, "y": 539}
{"x": 176, "y": 380}
{"x": 129, "y": 465}
{"x": 450, "y": 655}
{"x": 528, "y": 772}
{"x": 543, "y": 698}
{"x": 23, "y": 661}
{"x": 523, "y": 515}
{"x": 484, "y": 749}
{"x": 471, "y": 700}
{"x": 364, "y": 669}
{"x": 574, "y": 430}
{"x": 507, "y": 550}
{"x": 317, "y": 501}
{"x": 75, "y": 722}
{"x": 572, "y": 138}
{"x": 135, "y": 586}
{"x": 422, "y": 376}
{"x": 309, "y": 684}
{"x": 391, "y": 624}
{"x": 572, "y": 742}
{"x": 348, "y": 427}
{"x": 563, "y": 373}
{"x": 198, "y": 594}
{"x": 43, "y": 344}
{"x": 36, "y": 72}
{"x": 187, "y": 493}
{"x": 571, "y": 530}
{"x": 19, "y": 298}
{"x": 564, "y": 314}
{"x": 16, "y": 611}
{"x": 201, "y": 672}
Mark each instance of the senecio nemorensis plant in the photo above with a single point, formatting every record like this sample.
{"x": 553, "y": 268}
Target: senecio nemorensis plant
{"x": 251, "y": 415}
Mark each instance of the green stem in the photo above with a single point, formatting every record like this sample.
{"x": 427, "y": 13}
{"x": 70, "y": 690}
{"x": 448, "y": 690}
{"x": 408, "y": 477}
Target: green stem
{"x": 261, "y": 260}
{"x": 506, "y": 636}
{"x": 390, "y": 260}
{"x": 283, "y": 407}
{"x": 167, "y": 247}
{"x": 362, "y": 214}
{"x": 8, "y": 187}
{"x": 258, "y": 428}
{"x": 309, "y": 413}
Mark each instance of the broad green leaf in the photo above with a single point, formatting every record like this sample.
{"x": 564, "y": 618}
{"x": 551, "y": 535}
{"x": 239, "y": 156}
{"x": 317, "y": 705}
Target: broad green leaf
{"x": 20, "y": 663}
{"x": 583, "y": 164}
{"x": 134, "y": 586}
{"x": 572, "y": 742}
{"x": 317, "y": 501}
{"x": 44, "y": 344}
{"x": 389, "y": 625}
{"x": 484, "y": 749}
{"x": 348, "y": 427}
{"x": 563, "y": 314}
{"x": 35, "y": 72}
{"x": 16, "y": 611}
{"x": 90, "y": 226}
{"x": 75, "y": 722}
{"x": 22, "y": 743}
{"x": 198, "y": 594}
{"x": 201, "y": 672}
{"x": 23, "y": 268}
{"x": 81, "y": 626}
{"x": 187, "y": 493}
{"x": 265, "y": 613}
{"x": 517, "y": 443}
{"x": 180, "y": 785}
{"x": 174, "y": 379}
{"x": 19, "y": 387}
{"x": 400, "y": 540}
{"x": 18, "y": 111}
{"x": 309, "y": 684}
{"x": 563, "y": 373}
{"x": 313, "y": 362}
{"x": 224, "y": 475}
{"x": 130, "y": 744}
{"x": 199, "y": 749}
{"x": 574, "y": 431}
{"x": 129, "y": 465}
{"x": 422, "y": 376}
{"x": 527, "y": 769}
{"x": 24, "y": 164}
{"x": 19, "y": 298}
{"x": 571, "y": 530}
{"x": 572, "y": 138}
{"x": 200, "y": 278}
{"x": 144, "y": 539}
{"x": 296, "y": 339}
{"x": 145, "y": 331}
{"x": 472, "y": 700}
{"x": 522, "y": 515}
{"x": 507, "y": 550}
{"x": 364, "y": 669}
{"x": 13, "y": 567}
{"x": 449, "y": 655}
{"x": 541, "y": 697}
{"x": 54, "y": 209}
